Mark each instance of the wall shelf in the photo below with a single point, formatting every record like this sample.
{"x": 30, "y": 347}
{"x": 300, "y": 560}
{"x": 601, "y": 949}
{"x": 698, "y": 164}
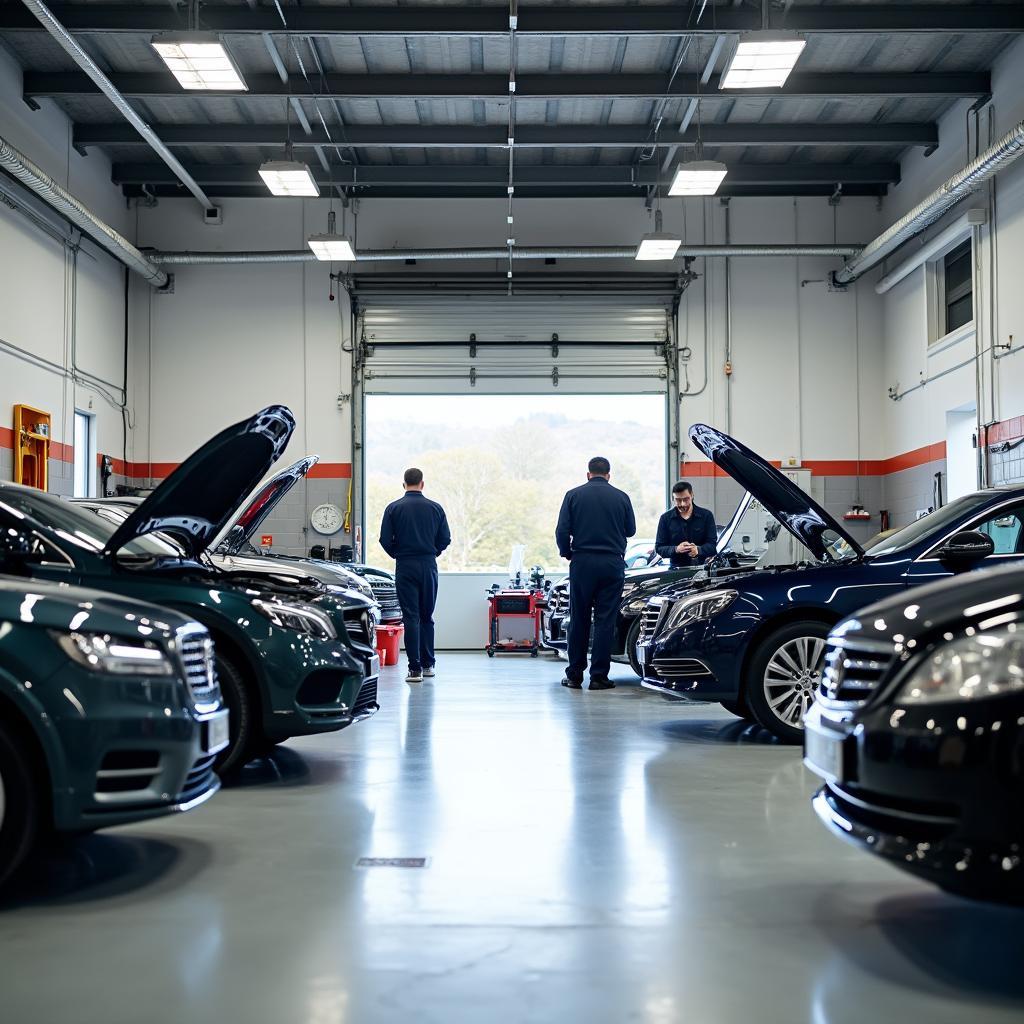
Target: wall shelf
{"x": 32, "y": 446}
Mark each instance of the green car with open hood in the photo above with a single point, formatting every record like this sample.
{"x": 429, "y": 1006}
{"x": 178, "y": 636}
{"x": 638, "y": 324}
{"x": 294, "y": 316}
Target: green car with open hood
{"x": 291, "y": 660}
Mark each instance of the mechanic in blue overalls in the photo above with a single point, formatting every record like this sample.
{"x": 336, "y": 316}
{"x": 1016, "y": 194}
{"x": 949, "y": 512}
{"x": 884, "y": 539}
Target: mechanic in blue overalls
{"x": 414, "y": 532}
{"x": 593, "y": 525}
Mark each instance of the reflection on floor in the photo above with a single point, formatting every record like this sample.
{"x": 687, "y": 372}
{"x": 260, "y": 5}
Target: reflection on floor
{"x": 604, "y": 857}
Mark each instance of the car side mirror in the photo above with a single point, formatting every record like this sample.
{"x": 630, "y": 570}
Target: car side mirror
{"x": 967, "y": 546}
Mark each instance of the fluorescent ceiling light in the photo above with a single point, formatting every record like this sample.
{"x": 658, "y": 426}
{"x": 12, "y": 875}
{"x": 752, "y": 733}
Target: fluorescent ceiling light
{"x": 198, "y": 60}
{"x": 332, "y": 248}
{"x": 698, "y": 178}
{"x": 762, "y": 60}
{"x": 658, "y": 245}
{"x": 288, "y": 178}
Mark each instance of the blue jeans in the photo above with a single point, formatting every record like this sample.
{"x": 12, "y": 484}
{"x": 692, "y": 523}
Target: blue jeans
{"x": 416, "y": 583}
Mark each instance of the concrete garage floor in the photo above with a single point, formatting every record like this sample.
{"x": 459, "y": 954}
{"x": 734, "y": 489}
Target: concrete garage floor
{"x": 601, "y": 857}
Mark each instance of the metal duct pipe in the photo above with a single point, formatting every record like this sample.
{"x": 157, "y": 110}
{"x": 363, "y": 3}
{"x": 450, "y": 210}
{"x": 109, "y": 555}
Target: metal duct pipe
{"x": 19, "y": 166}
{"x": 89, "y": 66}
{"x": 948, "y": 194}
{"x": 591, "y": 252}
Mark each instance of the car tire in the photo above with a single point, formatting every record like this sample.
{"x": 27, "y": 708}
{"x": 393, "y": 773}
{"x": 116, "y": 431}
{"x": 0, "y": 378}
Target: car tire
{"x": 632, "y": 635}
{"x": 20, "y": 804}
{"x": 242, "y": 727}
{"x": 738, "y": 708}
{"x": 783, "y": 675}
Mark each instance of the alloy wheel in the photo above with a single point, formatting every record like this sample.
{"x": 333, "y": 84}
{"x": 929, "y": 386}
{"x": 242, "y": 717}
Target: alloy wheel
{"x": 791, "y": 678}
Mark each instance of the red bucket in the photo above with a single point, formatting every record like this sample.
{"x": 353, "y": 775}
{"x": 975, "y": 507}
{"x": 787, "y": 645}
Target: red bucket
{"x": 388, "y": 640}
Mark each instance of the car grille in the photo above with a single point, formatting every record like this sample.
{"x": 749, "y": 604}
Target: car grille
{"x": 558, "y": 602}
{"x": 680, "y": 668}
{"x": 198, "y": 780}
{"x": 366, "y": 701}
{"x": 854, "y": 669}
{"x": 195, "y": 648}
{"x": 385, "y": 594}
{"x": 650, "y": 620}
{"x": 360, "y": 631}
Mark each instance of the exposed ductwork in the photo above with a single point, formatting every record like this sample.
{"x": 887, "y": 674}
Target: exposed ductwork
{"x": 581, "y": 252}
{"x": 19, "y": 166}
{"x": 70, "y": 46}
{"x": 947, "y": 195}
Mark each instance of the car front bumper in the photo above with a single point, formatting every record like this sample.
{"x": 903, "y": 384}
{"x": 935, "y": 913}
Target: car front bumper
{"x": 934, "y": 789}
{"x": 138, "y": 753}
{"x": 689, "y": 663}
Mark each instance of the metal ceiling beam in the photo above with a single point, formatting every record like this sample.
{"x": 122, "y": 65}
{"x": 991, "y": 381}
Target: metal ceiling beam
{"x": 527, "y": 136}
{"x": 580, "y": 20}
{"x": 457, "y": 175}
{"x": 522, "y": 191}
{"x": 68, "y": 84}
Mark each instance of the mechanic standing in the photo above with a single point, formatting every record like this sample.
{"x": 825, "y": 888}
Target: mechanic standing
{"x": 593, "y": 525}
{"x": 687, "y": 534}
{"x": 414, "y": 531}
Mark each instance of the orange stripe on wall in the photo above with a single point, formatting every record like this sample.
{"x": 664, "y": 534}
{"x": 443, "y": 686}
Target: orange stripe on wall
{"x": 842, "y": 467}
{"x": 331, "y": 471}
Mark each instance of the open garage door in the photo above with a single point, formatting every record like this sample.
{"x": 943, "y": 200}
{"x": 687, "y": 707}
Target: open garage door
{"x": 464, "y": 334}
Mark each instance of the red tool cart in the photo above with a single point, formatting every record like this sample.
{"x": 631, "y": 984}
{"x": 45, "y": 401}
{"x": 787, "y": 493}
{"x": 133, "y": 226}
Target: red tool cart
{"x": 513, "y": 621}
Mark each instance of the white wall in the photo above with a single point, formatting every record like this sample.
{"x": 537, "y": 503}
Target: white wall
{"x": 920, "y": 418}
{"x": 273, "y": 330}
{"x": 53, "y": 307}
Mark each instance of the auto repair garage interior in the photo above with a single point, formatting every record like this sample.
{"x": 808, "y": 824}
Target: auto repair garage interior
{"x": 259, "y": 258}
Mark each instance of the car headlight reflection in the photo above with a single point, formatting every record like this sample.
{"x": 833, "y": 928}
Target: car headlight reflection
{"x": 699, "y": 607}
{"x": 300, "y": 617}
{"x": 989, "y": 664}
{"x": 636, "y": 606}
{"x": 116, "y": 656}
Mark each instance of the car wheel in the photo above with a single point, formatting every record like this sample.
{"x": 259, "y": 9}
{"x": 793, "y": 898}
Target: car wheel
{"x": 19, "y": 805}
{"x": 632, "y": 635}
{"x": 242, "y": 729}
{"x": 783, "y": 676}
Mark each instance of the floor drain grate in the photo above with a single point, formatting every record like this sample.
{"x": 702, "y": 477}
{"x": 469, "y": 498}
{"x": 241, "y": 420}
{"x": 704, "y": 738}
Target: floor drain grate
{"x": 392, "y": 862}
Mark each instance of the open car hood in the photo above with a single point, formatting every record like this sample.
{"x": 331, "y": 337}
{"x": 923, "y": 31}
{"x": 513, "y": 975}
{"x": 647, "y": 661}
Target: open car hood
{"x": 196, "y": 501}
{"x": 794, "y": 508}
{"x": 259, "y": 505}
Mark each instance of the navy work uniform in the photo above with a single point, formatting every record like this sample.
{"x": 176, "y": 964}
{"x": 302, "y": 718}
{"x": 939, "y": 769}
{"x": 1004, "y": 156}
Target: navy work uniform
{"x": 699, "y": 529}
{"x": 593, "y": 525}
{"x": 414, "y": 531}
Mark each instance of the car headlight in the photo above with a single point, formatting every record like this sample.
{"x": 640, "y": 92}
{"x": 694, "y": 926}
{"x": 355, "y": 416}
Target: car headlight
{"x": 699, "y": 607}
{"x": 300, "y": 617}
{"x": 636, "y": 606}
{"x": 115, "y": 655}
{"x": 989, "y": 664}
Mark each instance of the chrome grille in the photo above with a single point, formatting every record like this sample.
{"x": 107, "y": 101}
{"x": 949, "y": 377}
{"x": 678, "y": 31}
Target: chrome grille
{"x": 650, "y": 620}
{"x": 195, "y": 649}
{"x": 357, "y": 624}
{"x": 687, "y": 668}
{"x": 854, "y": 668}
{"x": 558, "y": 602}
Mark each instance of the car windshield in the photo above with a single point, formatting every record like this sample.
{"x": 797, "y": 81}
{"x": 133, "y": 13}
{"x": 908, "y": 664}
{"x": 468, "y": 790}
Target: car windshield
{"x": 759, "y": 538}
{"x": 920, "y": 529}
{"x": 78, "y": 526}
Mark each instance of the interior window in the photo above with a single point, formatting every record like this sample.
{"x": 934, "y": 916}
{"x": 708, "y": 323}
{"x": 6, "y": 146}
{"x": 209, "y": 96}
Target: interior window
{"x": 1006, "y": 528}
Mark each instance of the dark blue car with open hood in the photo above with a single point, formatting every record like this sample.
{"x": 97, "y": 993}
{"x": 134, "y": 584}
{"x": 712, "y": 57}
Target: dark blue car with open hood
{"x": 755, "y": 641}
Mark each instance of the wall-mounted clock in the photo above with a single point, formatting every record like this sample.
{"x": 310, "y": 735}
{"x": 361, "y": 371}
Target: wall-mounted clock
{"x": 326, "y": 518}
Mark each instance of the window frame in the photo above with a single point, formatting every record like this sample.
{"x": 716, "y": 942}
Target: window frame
{"x": 939, "y": 336}
{"x": 89, "y": 467}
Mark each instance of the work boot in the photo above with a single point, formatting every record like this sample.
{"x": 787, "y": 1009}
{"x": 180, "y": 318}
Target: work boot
{"x": 573, "y": 684}
{"x": 600, "y": 683}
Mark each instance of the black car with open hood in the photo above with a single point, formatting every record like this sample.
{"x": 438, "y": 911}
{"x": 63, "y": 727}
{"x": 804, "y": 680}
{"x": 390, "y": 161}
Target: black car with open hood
{"x": 754, "y": 641}
{"x": 290, "y": 659}
{"x": 918, "y": 731}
